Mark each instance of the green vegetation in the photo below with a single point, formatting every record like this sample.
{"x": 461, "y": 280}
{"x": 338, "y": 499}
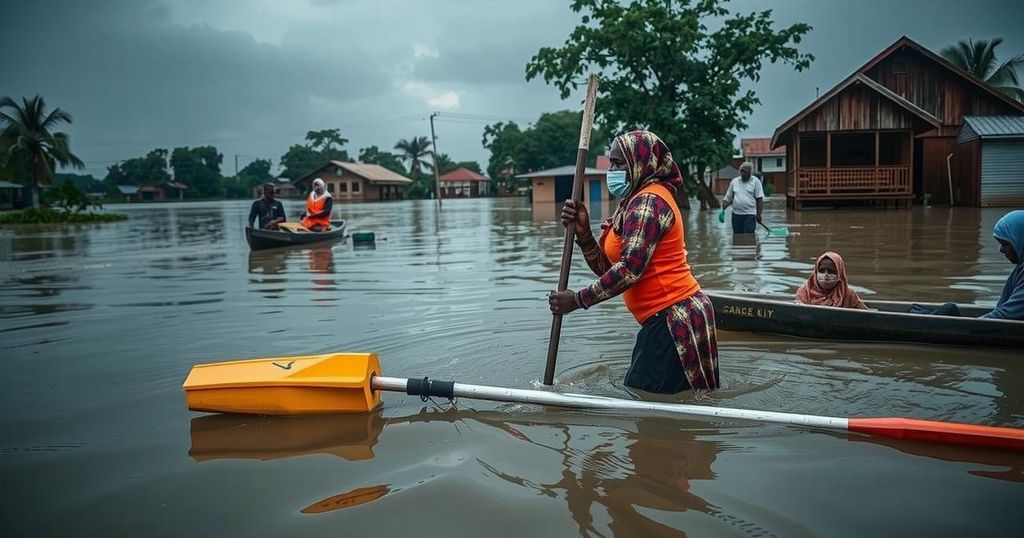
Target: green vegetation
{"x": 27, "y": 145}
{"x": 320, "y": 147}
{"x": 979, "y": 59}
{"x": 199, "y": 168}
{"x": 44, "y": 215}
{"x": 552, "y": 141}
{"x": 64, "y": 203}
{"x": 662, "y": 68}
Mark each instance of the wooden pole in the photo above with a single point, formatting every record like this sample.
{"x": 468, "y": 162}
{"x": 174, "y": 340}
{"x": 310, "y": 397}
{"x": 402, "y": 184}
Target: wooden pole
{"x": 570, "y": 231}
{"x": 433, "y": 154}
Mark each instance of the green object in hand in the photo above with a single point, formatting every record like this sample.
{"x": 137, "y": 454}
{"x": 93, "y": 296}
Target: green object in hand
{"x": 721, "y": 215}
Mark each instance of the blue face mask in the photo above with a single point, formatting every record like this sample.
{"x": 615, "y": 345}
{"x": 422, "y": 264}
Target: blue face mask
{"x": 617, "y": 183}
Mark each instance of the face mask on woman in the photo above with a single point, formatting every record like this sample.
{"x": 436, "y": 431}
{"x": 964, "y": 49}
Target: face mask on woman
{"x": 827, "y": 280}
{"x": 617, "y": 183}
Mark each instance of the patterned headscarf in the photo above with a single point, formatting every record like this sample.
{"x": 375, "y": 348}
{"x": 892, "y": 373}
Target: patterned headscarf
{"x": 648, "y": 160}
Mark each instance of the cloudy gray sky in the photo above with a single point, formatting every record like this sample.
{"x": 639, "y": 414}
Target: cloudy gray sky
{"x": 252, "y": 76}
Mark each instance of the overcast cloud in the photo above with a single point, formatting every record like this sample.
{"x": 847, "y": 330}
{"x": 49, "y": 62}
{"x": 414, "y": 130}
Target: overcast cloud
{"x": 251, "y": 77}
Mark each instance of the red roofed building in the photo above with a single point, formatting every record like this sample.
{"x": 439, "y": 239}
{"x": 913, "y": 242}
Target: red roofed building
{"x": 464, "y": 183}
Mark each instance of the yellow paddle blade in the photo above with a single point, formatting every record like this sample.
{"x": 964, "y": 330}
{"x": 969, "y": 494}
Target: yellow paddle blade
{"x": 293, "y": 227}
{"x": 332, "y": 383}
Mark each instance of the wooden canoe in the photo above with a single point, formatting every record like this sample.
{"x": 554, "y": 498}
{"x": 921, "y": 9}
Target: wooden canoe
{"x": 263, "y": 239}
{"x": 889, "y": 321}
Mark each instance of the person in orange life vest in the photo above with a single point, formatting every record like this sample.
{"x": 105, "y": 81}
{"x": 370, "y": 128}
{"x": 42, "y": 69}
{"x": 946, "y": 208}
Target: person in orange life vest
{"x": 317, "y": 216}
{"x": 641, "y": 254}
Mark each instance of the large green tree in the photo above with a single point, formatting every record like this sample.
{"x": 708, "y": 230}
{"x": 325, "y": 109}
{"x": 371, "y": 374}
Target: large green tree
{"x": 199, "y": 168}
{"x": 375, "y": 155}
{"x": 30, "y": 146}
{"x": 253, "y": 174}
{"x": 322, "y": 146}
{"x": 325, "y": 140}
{"x": 552, "y": 141}
{"x": 979, "y": 59}
{"x": 675, "y": 67}
{"x": 139, "y": 170}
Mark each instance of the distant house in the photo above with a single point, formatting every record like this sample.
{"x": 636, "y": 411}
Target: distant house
{"x": 888, "y": 133}
{"x": 555, "y": 184}
{"x": 988, "y": 163}
{"x": 10, "y": 195}
{"x": 130, "y": 192}
{"x": 360, "y": 182}
{"x": 464, "y": 183}
{"x": 284, "y": 189}
{"x": 769, "y": 164}
{"x": 161, "y": 192}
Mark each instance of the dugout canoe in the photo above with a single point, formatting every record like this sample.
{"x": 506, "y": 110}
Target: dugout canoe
{"x": 888, "y": 321}
{"x": 264, "y": 239}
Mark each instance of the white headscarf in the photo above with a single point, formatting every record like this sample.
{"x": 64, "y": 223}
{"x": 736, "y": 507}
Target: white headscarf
{"x": 319, "y": 183}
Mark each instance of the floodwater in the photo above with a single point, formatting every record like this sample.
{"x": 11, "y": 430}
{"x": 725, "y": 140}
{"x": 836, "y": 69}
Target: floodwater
{"x": 99, "y": 325}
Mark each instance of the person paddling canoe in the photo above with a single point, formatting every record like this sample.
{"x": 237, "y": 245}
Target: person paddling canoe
{"x": 269, "y": 211}
{"x": 641, "y": 255}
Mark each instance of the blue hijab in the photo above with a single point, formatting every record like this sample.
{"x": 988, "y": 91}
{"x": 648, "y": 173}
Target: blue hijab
{"x": 1010, "y": 228}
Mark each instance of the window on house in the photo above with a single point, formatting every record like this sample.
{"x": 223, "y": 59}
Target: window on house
{"x": 330, "y": 188}
{"x": 355, "y": 186}
{"x": 778, "y": 162}
{"x": 342, "y": 187}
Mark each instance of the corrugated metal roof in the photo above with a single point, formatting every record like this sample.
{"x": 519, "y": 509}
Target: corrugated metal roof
{"x": 995, "y": 126}
{"x": 127, "y": 189}
{"x": 373, "y": 172}
{"x": 9, "y": 185}
{"x": 567, "y": 170}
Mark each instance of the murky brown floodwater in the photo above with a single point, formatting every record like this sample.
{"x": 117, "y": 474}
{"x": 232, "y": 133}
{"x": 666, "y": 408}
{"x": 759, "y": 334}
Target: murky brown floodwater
{"x": 100, "y": 325}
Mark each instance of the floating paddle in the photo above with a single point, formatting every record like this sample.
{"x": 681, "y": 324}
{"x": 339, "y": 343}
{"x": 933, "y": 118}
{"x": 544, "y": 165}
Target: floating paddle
{"x": 351, "y": 382}
{"x": 570, "y": 231}
{"x": 775, "y": 232}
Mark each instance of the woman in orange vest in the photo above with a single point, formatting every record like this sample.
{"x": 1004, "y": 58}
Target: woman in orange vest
{"x": 641, "y": 254}
{"x": 317, "y": 216}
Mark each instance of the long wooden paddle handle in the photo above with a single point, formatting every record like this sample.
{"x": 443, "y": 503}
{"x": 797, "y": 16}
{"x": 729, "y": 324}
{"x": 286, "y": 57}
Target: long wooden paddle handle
{"x": 570, "y": 230}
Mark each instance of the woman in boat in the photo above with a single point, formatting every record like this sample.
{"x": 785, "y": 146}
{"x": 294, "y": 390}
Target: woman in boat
{"x": 827, "y": 285}
{"x": 641, "y": 254}
{"x": 1009, "y": 232}
{"x": 317, "y": 216}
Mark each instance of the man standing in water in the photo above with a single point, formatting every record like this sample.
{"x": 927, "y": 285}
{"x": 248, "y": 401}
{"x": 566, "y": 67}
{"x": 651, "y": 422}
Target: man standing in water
{"x": 746, "y": 196}
{"x": 269, "y": 210}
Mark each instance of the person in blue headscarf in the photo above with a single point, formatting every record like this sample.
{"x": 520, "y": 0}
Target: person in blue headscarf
{"x": 1009, "y": 232}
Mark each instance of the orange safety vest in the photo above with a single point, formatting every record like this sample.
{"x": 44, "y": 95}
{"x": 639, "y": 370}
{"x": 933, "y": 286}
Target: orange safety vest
{"x": 667, "y": 279}
{"x": 313, "y": 207}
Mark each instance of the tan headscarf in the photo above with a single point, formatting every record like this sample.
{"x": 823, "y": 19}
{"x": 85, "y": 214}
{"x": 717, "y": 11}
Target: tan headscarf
{"x": 841, "y": 295}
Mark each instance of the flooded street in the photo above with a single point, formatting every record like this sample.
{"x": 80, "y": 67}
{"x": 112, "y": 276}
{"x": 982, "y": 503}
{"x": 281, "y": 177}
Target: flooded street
{"x": 100, "y": 324}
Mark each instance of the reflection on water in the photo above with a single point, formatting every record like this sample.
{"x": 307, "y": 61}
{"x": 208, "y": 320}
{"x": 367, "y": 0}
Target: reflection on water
{"x": 100, "y": 324}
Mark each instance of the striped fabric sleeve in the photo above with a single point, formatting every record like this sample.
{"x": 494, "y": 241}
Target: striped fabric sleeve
{"x": 648, "y": 217}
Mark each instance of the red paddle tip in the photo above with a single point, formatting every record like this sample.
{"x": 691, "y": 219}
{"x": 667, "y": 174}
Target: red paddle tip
{"x": 942, "y": 432}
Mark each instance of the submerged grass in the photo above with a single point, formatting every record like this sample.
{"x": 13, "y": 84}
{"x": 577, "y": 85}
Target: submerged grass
{"x": 49, "y": 216}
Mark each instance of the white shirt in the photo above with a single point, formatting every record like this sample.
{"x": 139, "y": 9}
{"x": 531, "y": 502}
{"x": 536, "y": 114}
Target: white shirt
{"x": 744, "y": 195}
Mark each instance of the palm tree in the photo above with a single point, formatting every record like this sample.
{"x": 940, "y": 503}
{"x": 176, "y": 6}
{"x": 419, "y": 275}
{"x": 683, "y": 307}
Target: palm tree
{"x": 28, "y": 143}
{"x": 416, "y": 151}
{"x": 979, "y": 59}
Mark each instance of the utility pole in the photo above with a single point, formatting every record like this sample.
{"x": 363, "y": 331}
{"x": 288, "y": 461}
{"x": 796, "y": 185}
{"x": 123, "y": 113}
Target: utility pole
{"x": 433, "y": 153}
{"x": 236, "y": 166}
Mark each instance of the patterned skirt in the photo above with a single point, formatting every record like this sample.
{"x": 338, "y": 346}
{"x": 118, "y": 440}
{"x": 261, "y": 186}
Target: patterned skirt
{"x": 677, "y": 349}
